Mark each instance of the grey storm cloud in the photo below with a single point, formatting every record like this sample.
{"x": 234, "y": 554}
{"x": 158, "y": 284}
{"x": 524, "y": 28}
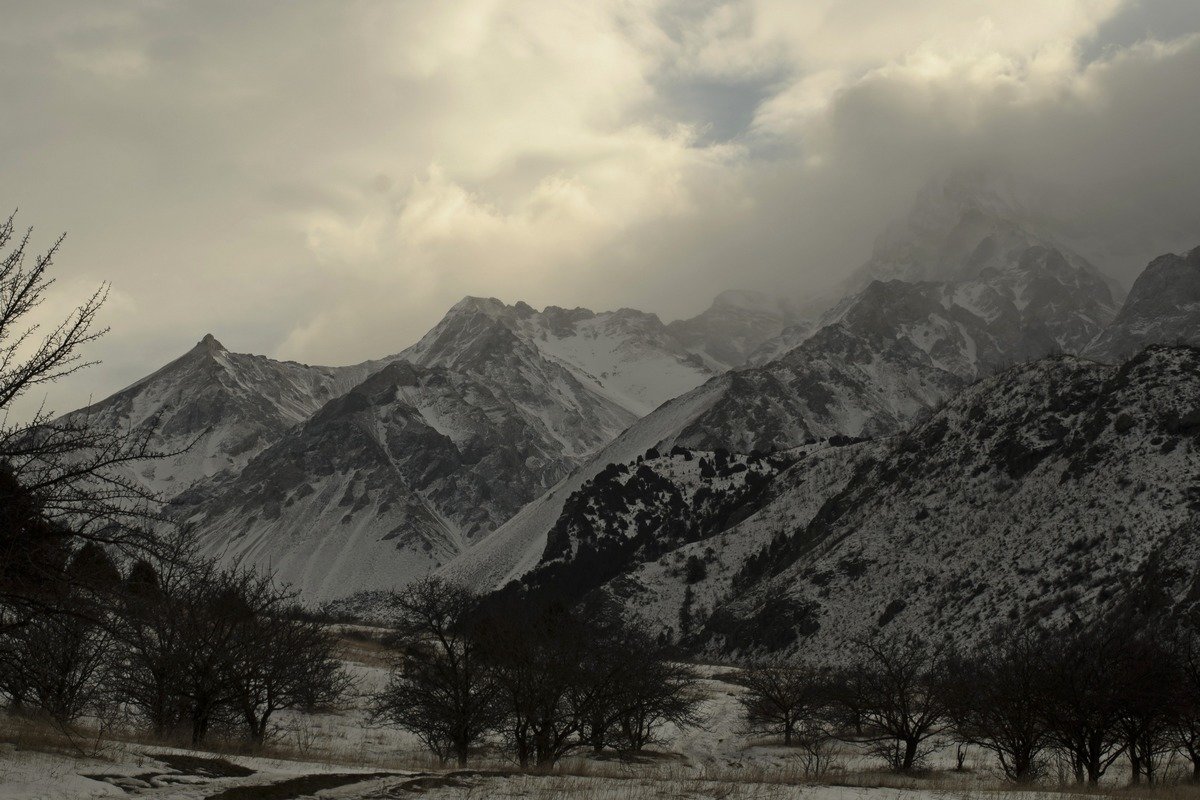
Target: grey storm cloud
{"x": 320, "y": 181}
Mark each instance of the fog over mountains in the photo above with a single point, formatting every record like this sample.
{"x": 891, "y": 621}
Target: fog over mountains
{"x": 736, "y": 479}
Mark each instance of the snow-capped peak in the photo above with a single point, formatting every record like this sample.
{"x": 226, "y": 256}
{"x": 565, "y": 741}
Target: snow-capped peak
{"x": 626, "y": 359}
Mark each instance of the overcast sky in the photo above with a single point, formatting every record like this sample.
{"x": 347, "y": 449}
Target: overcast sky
{"x": 321, "y": 180}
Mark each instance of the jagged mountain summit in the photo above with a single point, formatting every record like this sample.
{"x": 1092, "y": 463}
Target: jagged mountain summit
{"x": 223, "y": 407}
{"x": 1162, "y": 306}
{"x": 622, "y": 364}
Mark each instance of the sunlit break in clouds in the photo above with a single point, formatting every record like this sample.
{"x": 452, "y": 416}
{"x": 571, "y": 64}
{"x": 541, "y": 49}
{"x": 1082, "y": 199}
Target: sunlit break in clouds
{"x": 321, "y": 181}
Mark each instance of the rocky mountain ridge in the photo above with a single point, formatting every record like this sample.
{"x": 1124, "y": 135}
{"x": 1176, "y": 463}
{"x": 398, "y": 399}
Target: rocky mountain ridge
{"x": 348, "y": 478}
{"x": 1049, "y": 491}
{"x": 880, "y": 361}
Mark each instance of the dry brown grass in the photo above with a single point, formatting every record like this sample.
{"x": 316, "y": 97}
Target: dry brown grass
{"x": 365, "y": 647}
{"x": 38, "y": 734}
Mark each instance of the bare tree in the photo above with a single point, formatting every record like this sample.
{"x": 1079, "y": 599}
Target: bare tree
{"x": 892, "y": 694}
{"x": 656, "y": 691}
{"x": 1083, "y": 698}
{"x": 1185, "y": 726}
{"x": 70, "y": 470}
{"x": 997, "y": 701}
{"x": 605, "y": 691}
{"x": 539, "y": 656}
{"x": 286, "y": 663}
{"x": 61, "y": 663}
{"x": 206, "y": 645}
{"x": 28, "y": 360}
{"x": 58, "y": 664}
{"x": 1150, "y": 693}
{"x": 154, "y": 637}
{"x": 784, "y": 699}
{"x": 220, "y": 611}
{"x": 441, "y": 688}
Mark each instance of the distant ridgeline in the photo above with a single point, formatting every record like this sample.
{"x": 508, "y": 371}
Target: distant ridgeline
{"x": 979, "y": 429}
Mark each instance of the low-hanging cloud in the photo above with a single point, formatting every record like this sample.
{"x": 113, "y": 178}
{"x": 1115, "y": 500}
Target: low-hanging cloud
{"x": 320, "y": 181}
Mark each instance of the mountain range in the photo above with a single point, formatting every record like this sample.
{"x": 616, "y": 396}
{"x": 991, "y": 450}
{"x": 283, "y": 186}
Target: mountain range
{"x": 702, "y": 472}
{"x": 367, "y": 476}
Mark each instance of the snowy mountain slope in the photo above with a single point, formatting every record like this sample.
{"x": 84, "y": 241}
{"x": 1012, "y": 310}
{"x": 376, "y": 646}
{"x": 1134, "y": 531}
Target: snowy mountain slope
{"x": 228, "y": 406}
{"x": 516, "y": 547}
{"x": 891, "y": 352}
{"x": 382, "y": 484}
{"x": 1162, "y": 307}
{"x": 1046, "y": 491}
{"x": 776, "y": 347}
{"x": 898, "y": 348}
{"x": 737, "y": 324}
{"x": 671, "y": 596}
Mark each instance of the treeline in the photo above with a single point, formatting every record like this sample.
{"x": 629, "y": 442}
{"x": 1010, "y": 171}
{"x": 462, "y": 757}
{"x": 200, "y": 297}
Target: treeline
{"x": 173, "y": 645}
{"x": 539, "y": 681}
{"x": 1081, "y": 698}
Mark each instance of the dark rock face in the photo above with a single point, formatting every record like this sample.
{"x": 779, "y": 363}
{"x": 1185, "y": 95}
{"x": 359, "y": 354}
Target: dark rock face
{"x": 631, "y": 514}
{"x": 1163, "y": 307}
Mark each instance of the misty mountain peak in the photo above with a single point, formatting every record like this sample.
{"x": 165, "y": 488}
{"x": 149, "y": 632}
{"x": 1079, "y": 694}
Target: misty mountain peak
{"x": 974, "y": 192}
{"x": 741, "y": 298}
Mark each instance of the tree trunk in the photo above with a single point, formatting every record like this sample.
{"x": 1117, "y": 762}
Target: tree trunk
{"x": 199, "y": 727}
{"x": 910, "y": 754}
{"x": 260, "y": 730}
{"x": 543, "y": 752}
{"x": 1078, "y": 767}
{"x": 545, "y": 755}
{"x": 1093, "y": 767}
